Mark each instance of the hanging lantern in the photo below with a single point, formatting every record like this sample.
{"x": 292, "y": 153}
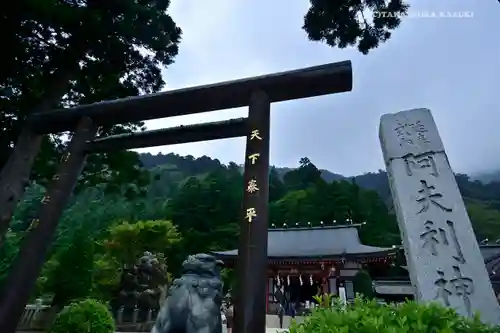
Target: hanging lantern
{"x": 300, "y": 280}
{"x": 311, "y": 279}
{"x": 288, "y": 280}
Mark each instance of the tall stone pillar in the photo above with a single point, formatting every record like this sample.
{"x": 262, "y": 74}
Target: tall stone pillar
{"x": 442, "y": 252}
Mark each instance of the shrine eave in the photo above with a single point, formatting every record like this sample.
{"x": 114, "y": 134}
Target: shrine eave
{"x": 491, "y": 254}
{"x": 317, "y": 243}
{"x": 233, "y": 254}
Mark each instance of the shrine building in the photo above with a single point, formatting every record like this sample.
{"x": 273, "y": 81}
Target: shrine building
{"x": 306, "y": 261}
{"x": 303, "y": 262}
{"x": 400, "y": 286}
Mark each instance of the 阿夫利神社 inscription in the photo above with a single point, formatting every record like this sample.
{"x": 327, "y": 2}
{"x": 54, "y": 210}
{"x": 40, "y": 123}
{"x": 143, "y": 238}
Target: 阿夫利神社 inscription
{"x": 442, "y": 252}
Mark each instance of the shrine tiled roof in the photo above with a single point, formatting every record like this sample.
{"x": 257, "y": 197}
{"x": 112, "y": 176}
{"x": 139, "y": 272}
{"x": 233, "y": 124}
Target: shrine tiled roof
{"x": 316, "y": 242}
{"x": 491, "y": 254}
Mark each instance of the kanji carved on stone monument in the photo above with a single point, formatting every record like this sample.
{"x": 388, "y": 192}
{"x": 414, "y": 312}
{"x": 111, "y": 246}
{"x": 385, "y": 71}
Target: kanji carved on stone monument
{"x": 460, "y": 286}
{"x": 429, "y": 196}
{"x": 422, "y": 161}
{"x": 442, "y": 253}
{"x": 434, "y": 236}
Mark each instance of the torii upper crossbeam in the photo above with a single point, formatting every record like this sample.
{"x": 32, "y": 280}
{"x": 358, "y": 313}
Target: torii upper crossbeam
{"x": 302, "y": 83}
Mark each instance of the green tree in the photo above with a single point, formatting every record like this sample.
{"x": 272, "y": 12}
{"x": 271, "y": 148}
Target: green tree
{"x": 381, "y": 228}
{"x": 104, "y": 59}
{"x": 276, "y": 187}
{"x": 343, "y": 23}
{"x": 124, "y": 244}
{"x": 485, "y": 220}
{"x": 295, "y": 206}
{"x": 56, "y": 58}
{"x": 207, "y": 212}
{"x": 305, "y": 176}
{"x": 8, "y": 252}
{"x": 23, "y": 216}
{"x": 127, "y": 241}
{"x": 70, "y": 276}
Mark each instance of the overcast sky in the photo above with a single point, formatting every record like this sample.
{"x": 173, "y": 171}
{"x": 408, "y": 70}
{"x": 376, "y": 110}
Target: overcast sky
{"x": 449, "y": 65}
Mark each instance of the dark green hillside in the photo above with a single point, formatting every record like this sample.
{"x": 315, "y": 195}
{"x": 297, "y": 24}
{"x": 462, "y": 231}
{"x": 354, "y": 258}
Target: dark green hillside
{"x": 185, "y": 204}
{"x": 482, "y": 199}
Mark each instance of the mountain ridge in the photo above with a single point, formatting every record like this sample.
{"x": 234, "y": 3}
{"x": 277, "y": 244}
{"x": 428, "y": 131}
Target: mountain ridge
{"x": 185, "y": 166}
{"x": 150, "y": 160}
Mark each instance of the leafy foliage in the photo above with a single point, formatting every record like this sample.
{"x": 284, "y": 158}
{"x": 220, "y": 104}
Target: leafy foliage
{"x": 82, "y": 317}
{"x": 8, "y": 253}
{"x": 25, "y": 212}
{"x": 324, "y": 301}
{"x": 363, "y": 284}
{"x": 229, "y": 279}
{"x": 126, "y": 241}
{"x": 69, "y": 276}
{"x": 55, "y": 56}
{"x": 345, "y": 23}
{"x": 410, "y": 317}
{"x": 123, "y": 245}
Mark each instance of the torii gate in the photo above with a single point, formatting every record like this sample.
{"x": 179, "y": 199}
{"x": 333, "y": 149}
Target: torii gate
{"x": 256, "y": 92}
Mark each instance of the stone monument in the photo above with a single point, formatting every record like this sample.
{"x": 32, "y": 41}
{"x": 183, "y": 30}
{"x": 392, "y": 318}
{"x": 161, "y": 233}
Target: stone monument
{"x": 442, "y": 252}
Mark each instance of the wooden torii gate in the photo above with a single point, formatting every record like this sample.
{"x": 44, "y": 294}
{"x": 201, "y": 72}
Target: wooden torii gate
{"x": 257, "y": 92}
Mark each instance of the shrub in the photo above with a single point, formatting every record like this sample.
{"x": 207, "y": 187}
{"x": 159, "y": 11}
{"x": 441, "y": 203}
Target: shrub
{"x": 69, "y": 278}
{"x": 363, "y": 284}
{"x": 87, "y": 316}
{"x": 369, "y": 317}
{"x": 325, "y": 300}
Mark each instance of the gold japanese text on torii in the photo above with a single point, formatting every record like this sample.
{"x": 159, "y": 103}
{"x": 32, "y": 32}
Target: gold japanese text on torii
{"x": 255, "y": 135}
{"x": 252, "y": 186}
{"x": 253, "y": 157}
{"x": 251, "y": 214}
{"x": 34, "y": 223}
{"x": 65, "y": 158}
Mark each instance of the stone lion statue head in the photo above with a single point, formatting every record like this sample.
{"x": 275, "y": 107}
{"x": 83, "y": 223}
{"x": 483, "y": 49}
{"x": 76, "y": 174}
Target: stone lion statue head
{"x": 202, "y": 264}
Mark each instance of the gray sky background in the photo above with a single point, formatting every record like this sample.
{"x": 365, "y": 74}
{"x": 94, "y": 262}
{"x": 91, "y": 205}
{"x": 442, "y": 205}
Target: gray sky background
{"x": 449, "y": 65}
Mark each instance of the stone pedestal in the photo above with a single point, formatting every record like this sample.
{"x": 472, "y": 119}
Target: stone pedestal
{"x": 442, "y": 252}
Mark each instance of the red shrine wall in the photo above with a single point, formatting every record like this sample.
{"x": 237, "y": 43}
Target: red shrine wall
{"x": 329, "y": 274}
{"x": 326, "y": 276}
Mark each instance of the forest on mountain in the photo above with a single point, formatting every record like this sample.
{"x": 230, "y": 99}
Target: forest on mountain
{"x": 482, "y": 197}
{"x": 187, "y": 205}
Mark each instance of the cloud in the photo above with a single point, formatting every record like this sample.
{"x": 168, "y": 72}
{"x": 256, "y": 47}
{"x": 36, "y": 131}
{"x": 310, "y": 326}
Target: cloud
{"x": 449, "y": 65}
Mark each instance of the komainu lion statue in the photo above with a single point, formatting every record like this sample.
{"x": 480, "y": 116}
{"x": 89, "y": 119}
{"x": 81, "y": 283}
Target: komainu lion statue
{"x": 193, "y": 303}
